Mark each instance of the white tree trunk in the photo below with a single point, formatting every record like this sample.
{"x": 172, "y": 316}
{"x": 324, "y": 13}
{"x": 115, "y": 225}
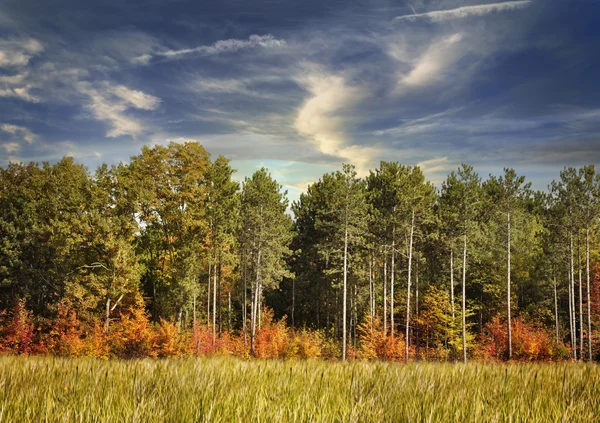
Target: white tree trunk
{"x": 385, "y": 296}
{"x": 464, "y": 292}
{"x": 580, "y": 295}
{"x": 555, "y": 306}
{"x": 452, "y": 281}
{"x": 214, "y": 320}
{"x": 392, "y": 280}
{"x": 344, "y": 306}
{"x": 410, "y": 248}
{"x": 508, "y": 291}
{"x": 587, "y": 275}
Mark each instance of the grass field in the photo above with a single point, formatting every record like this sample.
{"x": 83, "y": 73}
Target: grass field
{"x": 230, "y": 390}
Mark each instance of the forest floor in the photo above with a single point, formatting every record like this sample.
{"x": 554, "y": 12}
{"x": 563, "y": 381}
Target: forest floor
{"x": 37, "y": 389}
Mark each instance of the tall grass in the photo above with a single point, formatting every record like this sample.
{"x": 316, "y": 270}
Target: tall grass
{"x": 37, "y": 389}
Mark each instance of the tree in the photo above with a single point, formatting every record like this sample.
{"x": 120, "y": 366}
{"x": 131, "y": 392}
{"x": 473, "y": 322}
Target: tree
{"x": 265, "y": 234}
{"x": 508, "y": 194}
{"x": 461, "y": 196}
{"x": 345, "y": 222}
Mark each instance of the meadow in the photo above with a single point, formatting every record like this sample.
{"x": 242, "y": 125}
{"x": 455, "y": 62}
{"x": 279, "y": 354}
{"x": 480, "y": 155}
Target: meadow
{"x": 222, "y": 389}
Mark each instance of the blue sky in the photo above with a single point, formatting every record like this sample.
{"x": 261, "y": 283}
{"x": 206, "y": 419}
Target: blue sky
{"x": 303, "y": 86}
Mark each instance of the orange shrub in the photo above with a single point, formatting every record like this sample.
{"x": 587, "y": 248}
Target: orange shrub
{"x": 65, "y": 337}
{"x": 374, "y": 344}
{"x": 168, "y": 342}
{"x": 529, "y": 342}
{"x": 272, "y": 338}
{"x": 133, "y": 336}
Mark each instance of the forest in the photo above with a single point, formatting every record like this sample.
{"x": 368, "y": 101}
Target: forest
{"x": 168, "y": 255}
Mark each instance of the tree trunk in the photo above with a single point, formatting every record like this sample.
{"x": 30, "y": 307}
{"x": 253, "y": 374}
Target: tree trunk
{"x": 245, "y": 306}
{"x": 555, "y": 306}
{"x": 385, "y": 295}
{"x": 410, "y": 247}
{"x": 417, "y": 340}
{"x": 344, "y": 305}
{"x": 573, "y": 311}
{"x": 229, "y": 312}
{"x": 508, "y": 291}
{"x": 587, "y": 276}
{"x": 371, "y": 292}
{"x": 464, "y": 292}
{"x": 208, "y": 296}
{"x": 107, "y": 321}
{"x": 255, "y": 303}
{"x": 194, "y": 312}
{"x": 392, "y": 280}
{"x": 219, "y": 297}
{"x": 293, "y": 301}
{"x": 580, "y": 295}
{"x": 452, "y": 281}
{"x": 214, "y": 316}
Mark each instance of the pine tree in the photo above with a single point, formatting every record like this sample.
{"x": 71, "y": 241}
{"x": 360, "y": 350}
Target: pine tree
{"x": 265, "y": 235}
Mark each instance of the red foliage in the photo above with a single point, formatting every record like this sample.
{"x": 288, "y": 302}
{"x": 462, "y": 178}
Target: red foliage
{"x": 374, "y": 344}
{"x": 529, "y": 342}
{"x": 65, "y": 337}
{"x": 17, "y": 330}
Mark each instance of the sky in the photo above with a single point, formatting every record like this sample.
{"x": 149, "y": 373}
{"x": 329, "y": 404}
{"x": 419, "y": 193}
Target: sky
{"x": 301, "y": 87}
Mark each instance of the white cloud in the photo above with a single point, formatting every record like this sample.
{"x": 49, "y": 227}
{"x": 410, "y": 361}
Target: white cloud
{"x": 17, "y": 53}
{"x": 321, "y": 117}
{"x": 19, "y": 92}
{"x": 11, "y": 147}
{"x": 465, "y": 11}
{"x": 439, "y": 164}
{"x": 219, "y": 47}
{"x": 137, "y": 99}
{"x": 434, "y": 62}
{"x": 109, "y": 103}
{"x": 24, "y": 133}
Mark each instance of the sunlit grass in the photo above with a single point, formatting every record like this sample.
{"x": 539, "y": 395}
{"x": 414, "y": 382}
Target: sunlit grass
{"x": 37, "y": 389}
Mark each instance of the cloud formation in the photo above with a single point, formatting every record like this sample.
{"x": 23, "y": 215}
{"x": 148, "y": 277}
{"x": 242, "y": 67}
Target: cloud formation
{"x": 465, "y": 11}
{"x": 17, "y": 53}
{"x": 109, "y": 103}
{"x": 322, "y": 116}
{"x": 20, "y": 131}
{"x": 222, "y": 46}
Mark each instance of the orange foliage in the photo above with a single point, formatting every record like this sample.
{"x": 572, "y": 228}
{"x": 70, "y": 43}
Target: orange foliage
{"x": 133, "y": 336}
{"x": 374, "y": 344}
{"x": 65, "y": 337}
{"x": 529, "y": 343}
{"x": 272, "y": 338}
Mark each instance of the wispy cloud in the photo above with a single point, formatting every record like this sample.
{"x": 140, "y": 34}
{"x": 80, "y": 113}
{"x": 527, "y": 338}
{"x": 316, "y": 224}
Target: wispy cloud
{"x": 465, "y": 11}
{"x": 20, "y": 131}
{"x": 11, "y": 147}
{"x": 222, "y": 46}
{"x": 433, "y": 62}
{"x": 17, "y": 53}
{"x": 109, "y": 103}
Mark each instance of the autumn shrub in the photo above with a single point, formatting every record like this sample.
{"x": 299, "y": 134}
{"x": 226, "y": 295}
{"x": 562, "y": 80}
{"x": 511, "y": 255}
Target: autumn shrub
{"x": 168, "y": 341}
{"x": 529, "y": 342}
{"x": 17, "y": 330}
{"x": 272, "y": 339}
{"x": 374, "y": 344}
{"x": 307, "y": 344}
{"x": 96, "y": 342}
{"x": 65, "y": 337}
{"x": 132, "y": 336}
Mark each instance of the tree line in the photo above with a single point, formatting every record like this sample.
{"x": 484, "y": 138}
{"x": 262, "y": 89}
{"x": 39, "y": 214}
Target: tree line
{"x": 386, "y": 262}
